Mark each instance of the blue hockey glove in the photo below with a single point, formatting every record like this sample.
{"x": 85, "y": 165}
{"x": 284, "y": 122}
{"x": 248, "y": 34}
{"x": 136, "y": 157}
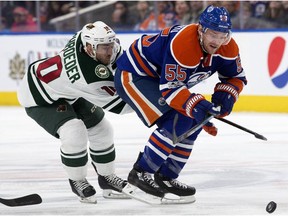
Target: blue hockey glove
{"x": 201, "y": 108}
{"x": 225, "y": 95}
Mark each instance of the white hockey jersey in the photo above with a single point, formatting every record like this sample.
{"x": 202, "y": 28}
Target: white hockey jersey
{"x": 70, "y": 75}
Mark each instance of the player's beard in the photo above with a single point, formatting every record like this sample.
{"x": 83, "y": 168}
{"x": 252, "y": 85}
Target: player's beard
{"x": 211, "y": 48}
{"x": 104, "y": 59}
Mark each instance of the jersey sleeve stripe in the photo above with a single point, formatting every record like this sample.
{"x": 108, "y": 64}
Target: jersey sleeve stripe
{"x": 140, "y": 61}
{"x": 43, "y": 91}
{"x": 39, "y": 98}
{"x": 34, "y": 91}
{"x": 165, "y": 31}
{"x": 153, "y": 67}
{"x": 115, "y": 106}
{"x": 178, "y": 99}
{"x": 134, "y": 65}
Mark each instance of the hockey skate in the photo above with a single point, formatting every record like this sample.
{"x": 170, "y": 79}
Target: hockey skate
{"x": 140, "y": 181}
{"x": 185, "y": 192}
{"x": 144, "y": 182}
{"x": 111, "y": 185}
{"x": 83, "y": 190}
{"x": 153, "y": 194}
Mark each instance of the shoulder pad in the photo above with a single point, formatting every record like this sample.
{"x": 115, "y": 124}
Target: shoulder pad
{"x": 185, "y": 47}
{"x": 230, "y": 50}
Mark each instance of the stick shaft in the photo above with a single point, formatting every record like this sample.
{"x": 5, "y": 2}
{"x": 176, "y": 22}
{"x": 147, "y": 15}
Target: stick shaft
{"x": 190, "y": 131}
{"x": 177, "y": 139}
{"x": 259, "y": 136}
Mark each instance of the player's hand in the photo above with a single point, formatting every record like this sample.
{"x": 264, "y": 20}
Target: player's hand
{"x": 202, "y": 109}
{"x": 225, "y": 95}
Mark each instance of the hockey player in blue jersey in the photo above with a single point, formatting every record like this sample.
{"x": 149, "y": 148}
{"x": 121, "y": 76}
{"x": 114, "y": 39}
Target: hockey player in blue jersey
{"x": 156, "y": 75}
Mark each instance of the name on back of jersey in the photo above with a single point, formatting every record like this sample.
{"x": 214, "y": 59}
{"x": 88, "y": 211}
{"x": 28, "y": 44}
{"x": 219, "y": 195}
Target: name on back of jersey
{"x": 70, "y": 62}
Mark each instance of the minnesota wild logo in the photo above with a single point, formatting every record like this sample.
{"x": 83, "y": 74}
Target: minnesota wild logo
{"x": 102, "y": 71}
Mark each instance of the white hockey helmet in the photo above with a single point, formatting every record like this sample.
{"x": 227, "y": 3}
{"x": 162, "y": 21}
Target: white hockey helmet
{"x": 97, "y": 33}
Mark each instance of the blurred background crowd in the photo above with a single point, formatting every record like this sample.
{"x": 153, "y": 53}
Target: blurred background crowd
{"x": 70, "y": 16}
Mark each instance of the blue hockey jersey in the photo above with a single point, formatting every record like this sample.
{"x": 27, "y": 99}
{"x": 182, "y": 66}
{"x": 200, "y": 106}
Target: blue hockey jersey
{"x": 176, "y": 58}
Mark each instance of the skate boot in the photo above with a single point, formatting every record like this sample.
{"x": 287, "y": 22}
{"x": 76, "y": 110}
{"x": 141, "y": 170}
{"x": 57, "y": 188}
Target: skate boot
{"x": 83, "y": 190}
{"x": 144, "y": 181}
{"x": 173, "y": 186}
{"x": 111, "y": 184}
{"x": 154, "y": 193}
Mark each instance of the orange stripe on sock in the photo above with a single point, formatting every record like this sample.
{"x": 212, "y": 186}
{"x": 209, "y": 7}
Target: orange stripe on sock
{"x": 184, "y": 153}
{"x": 161, "y": 145}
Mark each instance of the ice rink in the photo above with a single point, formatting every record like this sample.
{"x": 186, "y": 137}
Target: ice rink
{"x": 234, "y": 173}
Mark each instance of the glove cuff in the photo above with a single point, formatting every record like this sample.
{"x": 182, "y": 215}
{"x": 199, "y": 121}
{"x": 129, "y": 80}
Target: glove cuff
{"x": 227, "y": 88}
{"x": 192, "y": 102}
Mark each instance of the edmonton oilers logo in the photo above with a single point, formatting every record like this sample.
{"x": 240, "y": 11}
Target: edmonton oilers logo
{"x": 277, "y": 62}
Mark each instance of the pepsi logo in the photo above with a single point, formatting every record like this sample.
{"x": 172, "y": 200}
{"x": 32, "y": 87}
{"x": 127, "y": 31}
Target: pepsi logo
{"x": 277, "y": 62}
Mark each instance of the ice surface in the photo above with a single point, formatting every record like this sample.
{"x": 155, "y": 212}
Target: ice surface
{"x": 234, "y": 173}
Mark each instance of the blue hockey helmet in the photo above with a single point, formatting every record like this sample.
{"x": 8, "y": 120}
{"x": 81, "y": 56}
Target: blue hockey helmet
{"x": 216, "y": 18}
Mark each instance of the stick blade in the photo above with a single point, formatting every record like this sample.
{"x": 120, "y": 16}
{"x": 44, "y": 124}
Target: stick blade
{"x": 259, "y": 136}
{"x": 31, "y": 199}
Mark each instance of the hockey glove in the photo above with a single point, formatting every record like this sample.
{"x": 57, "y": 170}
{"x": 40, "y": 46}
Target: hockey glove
{"x": 225, "y": 95}
{"x": 116, "y": 53}
{"x": 200, "y": 107}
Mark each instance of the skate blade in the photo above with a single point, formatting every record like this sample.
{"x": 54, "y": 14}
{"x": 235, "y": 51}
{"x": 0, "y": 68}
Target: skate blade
{"x": 178, "y": 199}
{"x": 88, "y": 200}
{"x": 137, "y": 194}
{"x": 168, "y": 199}
{"x": 110, "y": 194}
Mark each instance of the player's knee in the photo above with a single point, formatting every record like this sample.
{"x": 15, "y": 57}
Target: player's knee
{"x": 101, "y": 136}
{"x": 73, "y": 136}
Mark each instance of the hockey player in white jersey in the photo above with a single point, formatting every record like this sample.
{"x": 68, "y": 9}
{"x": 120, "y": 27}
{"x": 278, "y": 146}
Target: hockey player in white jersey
{"x": 65, "y": 95}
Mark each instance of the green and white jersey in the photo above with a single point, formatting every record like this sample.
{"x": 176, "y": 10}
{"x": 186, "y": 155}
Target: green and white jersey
{"x": 70, "y": 75}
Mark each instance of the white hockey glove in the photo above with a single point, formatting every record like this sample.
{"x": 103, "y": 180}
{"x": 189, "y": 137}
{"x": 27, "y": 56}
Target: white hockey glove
{"x": 117, "y": 52}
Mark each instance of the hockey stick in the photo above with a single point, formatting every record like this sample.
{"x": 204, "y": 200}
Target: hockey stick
{"x": 31, "y": 199}
{"x": 190, "y": 131}
{"x": 201, "y": 124}
{"x": 258, "y": 136}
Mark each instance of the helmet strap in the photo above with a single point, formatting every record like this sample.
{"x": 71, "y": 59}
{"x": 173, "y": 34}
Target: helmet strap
{"x": 91, "y": 52}
{"x": 228, "y": 38}
{"x": 201, "y": 31}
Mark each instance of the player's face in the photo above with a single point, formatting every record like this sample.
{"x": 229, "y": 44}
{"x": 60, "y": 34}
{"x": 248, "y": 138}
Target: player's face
{"x": 104, "y": 53}
{"x": 212, "y": 40}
